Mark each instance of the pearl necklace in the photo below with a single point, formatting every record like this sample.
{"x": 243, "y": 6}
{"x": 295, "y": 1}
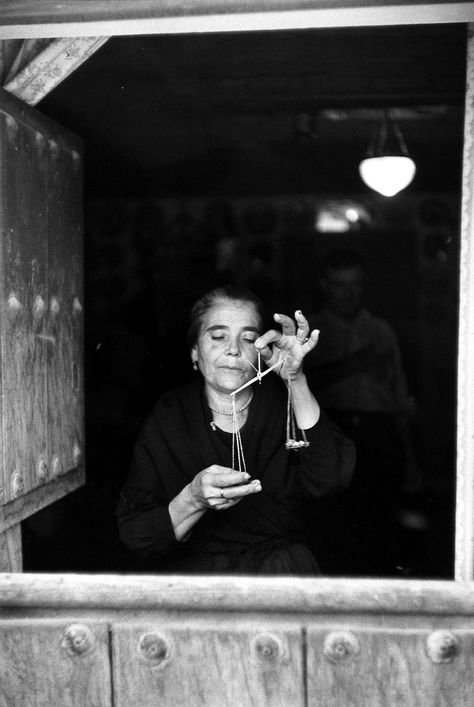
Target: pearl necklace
{"x": 231, "y": 412}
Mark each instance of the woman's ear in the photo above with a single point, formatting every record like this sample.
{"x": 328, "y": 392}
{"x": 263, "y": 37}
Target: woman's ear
{"x": 194, "y": 358}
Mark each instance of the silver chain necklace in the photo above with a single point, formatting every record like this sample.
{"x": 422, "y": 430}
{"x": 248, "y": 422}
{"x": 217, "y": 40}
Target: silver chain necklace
{"x": 231, "y": 412}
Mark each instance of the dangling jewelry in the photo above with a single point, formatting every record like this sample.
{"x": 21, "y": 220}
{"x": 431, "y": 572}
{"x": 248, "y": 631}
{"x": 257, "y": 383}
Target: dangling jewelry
{"x": 195, "y": 365}
{"x": 233, "y": 411}
{"x": 237, "y": 447}
{"x": 292, "y": 442}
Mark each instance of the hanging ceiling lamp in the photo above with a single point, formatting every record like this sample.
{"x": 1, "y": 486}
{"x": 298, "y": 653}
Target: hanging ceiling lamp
{"x": 387, "y": 168}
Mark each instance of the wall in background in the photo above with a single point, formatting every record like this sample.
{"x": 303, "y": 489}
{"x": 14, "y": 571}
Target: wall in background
{"x": 147, "y": 260}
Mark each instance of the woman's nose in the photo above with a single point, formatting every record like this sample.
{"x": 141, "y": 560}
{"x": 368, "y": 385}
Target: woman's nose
{"x": 233, "y": 347}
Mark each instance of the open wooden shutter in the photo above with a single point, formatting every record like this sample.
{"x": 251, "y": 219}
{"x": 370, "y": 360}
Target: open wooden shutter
{"x": 41, "y": 359}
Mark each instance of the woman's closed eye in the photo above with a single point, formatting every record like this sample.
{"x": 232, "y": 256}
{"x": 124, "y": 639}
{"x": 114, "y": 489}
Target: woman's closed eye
{"x": 246, "y": 338}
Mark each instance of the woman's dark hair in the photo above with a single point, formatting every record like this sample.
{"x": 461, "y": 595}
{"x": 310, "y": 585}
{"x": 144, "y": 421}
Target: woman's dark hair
{"x": 234, "y": 293}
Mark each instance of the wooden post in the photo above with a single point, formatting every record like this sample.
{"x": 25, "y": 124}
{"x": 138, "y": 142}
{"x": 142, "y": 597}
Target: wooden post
{"x": 464, "y": 566}
{"x": 47, "y": 66}
{"x": 11, "y": 559}
{"x": 41, "y": 358}
{"x": 76, "y": 18}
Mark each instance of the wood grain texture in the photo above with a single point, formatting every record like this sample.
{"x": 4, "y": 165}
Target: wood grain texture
{"x": 8, "y": 56}
{"x": 19, "y": 509}
{"x": 47, "y": 11}
{"x": 54, "y": 663}
{"x": 10, "y": 105}
{"x": 113, "y": 17}
{"x": 298, "y": 596}
{"x": 464, "y": 554}
{"x": 23, "y": 276}
{"x": 11, "y": 557}
{"x": 41, "y": 305}
{"x": 206, "y": 641}
{"x": 65, "y": 316}
{"x": 214, "y": 665}
{"x": 18, "y": 54}
{"x": 50, "y": 64}
{"x": 390, "y": 668}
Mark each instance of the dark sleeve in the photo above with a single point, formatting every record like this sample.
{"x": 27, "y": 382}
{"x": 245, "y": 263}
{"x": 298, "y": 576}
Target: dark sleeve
{"x": 326, "y": 466}
{"x": 142, "y": 513}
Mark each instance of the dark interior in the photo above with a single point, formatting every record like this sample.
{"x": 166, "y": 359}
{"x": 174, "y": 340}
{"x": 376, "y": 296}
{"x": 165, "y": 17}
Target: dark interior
{"x": 213, "y": 158}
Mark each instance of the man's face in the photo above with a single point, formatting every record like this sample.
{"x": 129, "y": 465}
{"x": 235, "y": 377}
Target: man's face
{"x": 343, "y": 291}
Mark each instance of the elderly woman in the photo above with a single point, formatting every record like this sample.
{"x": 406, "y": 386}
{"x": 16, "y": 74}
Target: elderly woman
{"x": 184, "y": 508}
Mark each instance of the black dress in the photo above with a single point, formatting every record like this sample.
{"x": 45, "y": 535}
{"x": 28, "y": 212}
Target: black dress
{"x": 264, "y": 533}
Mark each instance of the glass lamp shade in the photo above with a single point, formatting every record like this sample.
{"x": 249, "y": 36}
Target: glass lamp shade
{"x": 387, "y": 174}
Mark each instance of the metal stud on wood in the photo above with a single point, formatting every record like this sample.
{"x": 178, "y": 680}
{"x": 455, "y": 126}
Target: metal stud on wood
{"x": 42, "y": 470}
{"x": 153, "y": 649}
{"x": 442, "y": 646}
{"x": 341, "y": 646}
{"x": 267, "y": 649}
{"x": 78, "y": 640}
{"x": 17, "y": 484}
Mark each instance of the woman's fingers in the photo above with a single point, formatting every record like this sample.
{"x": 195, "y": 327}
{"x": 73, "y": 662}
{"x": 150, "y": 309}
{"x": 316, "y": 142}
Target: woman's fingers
{"x": 302, "y": 326}
{"x": 238, "y": 491}
{"x": 303, "y": 334}
{"x": 222, "y": 476}
{"x": 263, "y": 342}
{"x": 221, "y": 486}
{"x": 312, "y": 340}
{"x": 229, "y": 496}
{"x": 287, "y": 324}
{"x": 298, "y": 327}
{"x": 292, "y": 331}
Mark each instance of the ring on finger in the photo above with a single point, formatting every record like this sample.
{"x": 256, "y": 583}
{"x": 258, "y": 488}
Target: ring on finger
{"x": 222, "y": 493}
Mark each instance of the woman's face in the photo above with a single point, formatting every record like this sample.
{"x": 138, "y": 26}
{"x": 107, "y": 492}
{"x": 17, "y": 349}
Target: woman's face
{"x": 225, "y": 346}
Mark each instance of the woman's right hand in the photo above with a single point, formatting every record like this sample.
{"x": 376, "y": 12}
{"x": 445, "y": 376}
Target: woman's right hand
{"x": 219, "y": 487}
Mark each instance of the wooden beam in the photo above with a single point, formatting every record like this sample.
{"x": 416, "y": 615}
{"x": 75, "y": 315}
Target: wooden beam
{"x": 9, "y": 49}
{"x": 464, "y": 565}
{"x": 24, "y": 506}
{"x": 315, "y": 597}
{"x": 46, "y": 18}
{"x": 19, "y": 53}
{"x": 40, "y": 72}
{"x": 11, "y": 556}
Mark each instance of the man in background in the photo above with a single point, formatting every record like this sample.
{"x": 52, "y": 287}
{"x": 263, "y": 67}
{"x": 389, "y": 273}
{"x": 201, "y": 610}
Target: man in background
{"x": 357, "y": 372}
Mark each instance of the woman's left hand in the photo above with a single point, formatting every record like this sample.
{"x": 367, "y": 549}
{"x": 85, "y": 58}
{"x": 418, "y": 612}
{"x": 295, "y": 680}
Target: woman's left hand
{"x": 288, "y": 346}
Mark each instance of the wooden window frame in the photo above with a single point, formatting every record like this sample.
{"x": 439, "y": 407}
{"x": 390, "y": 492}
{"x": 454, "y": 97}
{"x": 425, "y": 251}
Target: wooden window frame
{"x": 21, "y": 19}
